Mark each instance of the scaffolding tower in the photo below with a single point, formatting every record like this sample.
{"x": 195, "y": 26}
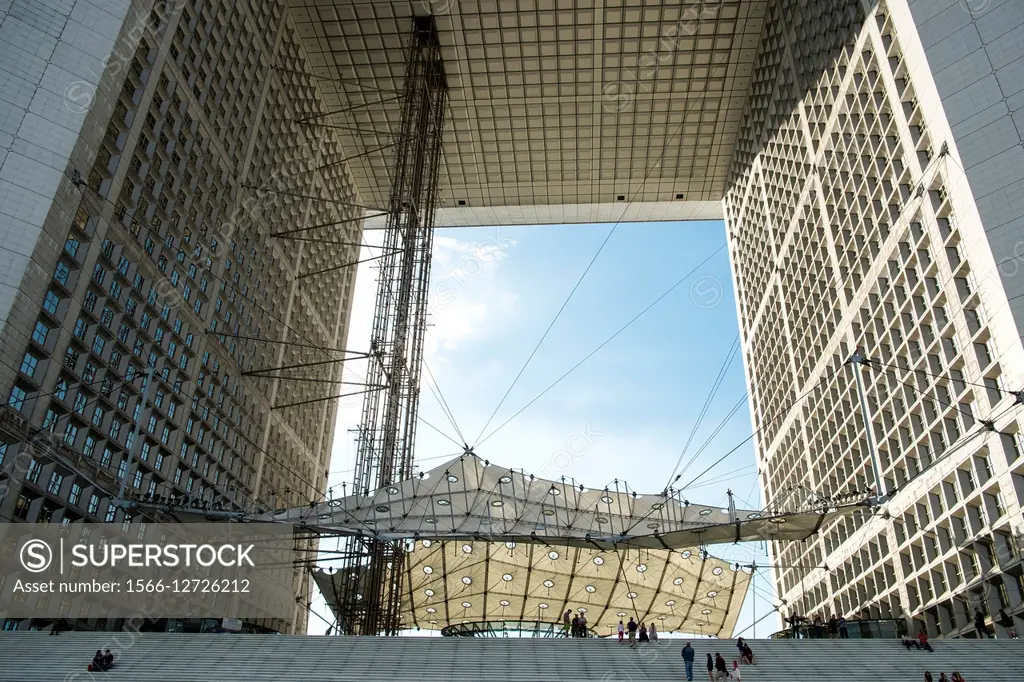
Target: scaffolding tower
{"x": 371, "y": 589}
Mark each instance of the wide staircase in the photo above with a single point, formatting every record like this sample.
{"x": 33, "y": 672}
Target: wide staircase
{"x": 37, "y": 657}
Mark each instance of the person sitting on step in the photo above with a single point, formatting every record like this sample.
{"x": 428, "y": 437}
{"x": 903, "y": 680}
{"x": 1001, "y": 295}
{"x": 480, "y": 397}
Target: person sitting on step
{"x": 97, "y": 661}
{"x": 748, "y": 655}
{"x": 909, "y": 641}
{"x": 922, "y": 638}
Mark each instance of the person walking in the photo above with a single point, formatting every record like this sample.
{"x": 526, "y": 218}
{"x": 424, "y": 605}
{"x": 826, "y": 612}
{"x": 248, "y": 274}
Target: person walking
{"x": 583, "y": 625}
{"x": 652, "y": 632}
{"x": 688, "y": 654}
{"x": 575, "y": 626}
{"x": 567, "y": 622}
{"x": 711, "y": 668}
{"x": 833, "y": 627}
{"x": 631, "y": 627}
{"x": 1007, "y": 622}
{"x": 979, "y": 624}
{"x": 622, "y": 631}
{"x": 736, "y": 674}
{"x": 957, "y": 677}
{"x": 721, "y": 672}
{"x": 844, "y": 630}
{"x": 643, "y": 633}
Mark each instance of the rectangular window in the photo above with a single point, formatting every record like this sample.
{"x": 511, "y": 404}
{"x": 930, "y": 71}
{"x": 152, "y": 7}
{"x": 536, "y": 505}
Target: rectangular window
{"x": 56, "y": 481}
{"x": 94, "y": 503}
{"x": 28, "y": 364}
{"x": 115, "y": 429}
{"x": 62, "y": 273}
{"x": 17, "y": 398}
{"x": 61, "y": 388}
{"x": 76, "y": 493}
{"x": 51, "y": 302}
{"x": 90, "y": 446}
{"x": 34, "y": 469}
{"x": 70, "y": 434}
{"x": 39, "y": 333}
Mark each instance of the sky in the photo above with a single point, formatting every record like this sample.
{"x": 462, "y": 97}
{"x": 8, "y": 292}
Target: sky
{"x": 495, "y": 291}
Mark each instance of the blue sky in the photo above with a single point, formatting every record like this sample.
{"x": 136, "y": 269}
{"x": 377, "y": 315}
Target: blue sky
{"x": 493, "y": 294}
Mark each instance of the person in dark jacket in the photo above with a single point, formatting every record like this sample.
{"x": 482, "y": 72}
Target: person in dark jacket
{"x": 979, "y": 625}
{"x": 711, "y": 668}
{"x": 721, "y": 671}
{"x": 688, "y": 655}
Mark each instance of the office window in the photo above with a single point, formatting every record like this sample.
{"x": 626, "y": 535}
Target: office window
{"x": 28, "y": 364}
{"x": 39, "y": 333}
{"x": 51, "y": 302}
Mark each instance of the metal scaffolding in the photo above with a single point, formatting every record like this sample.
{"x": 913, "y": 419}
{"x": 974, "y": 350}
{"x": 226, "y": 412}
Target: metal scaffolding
{"x": 371, "y": 594}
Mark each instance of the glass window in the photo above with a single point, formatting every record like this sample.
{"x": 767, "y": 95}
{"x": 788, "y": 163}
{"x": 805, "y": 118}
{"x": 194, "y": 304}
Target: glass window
{"x": 56, "y": 481}
{"x": 70, "y": 434}
{"x": 90, "y": 446}
{"x": 94, "y": 503}
{"x": 76, "y": 493}
{"x": 28, "y": 364}
{"x": 61, "y": 388}
{"x": 40, "y": 332}
{"x": 62, "y": 273}
{"x": 51, "y": 302}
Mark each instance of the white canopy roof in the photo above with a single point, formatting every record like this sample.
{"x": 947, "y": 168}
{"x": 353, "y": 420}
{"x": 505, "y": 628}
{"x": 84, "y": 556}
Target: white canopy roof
{"x": 468, "y": 498}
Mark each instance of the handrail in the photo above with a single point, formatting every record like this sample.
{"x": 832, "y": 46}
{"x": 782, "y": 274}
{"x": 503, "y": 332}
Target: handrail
{"x": 869, "y": 628}
{"x": 501, "y": 628}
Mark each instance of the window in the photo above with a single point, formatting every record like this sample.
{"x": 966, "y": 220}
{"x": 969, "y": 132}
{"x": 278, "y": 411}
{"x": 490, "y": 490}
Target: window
{"x": 17, "y": 398}
{"x": 71, "y": 358}
{"x": 94, "y": 503}
{"x": 107, "y": 317}
{"x": 107, "y": 456}
{"x": 70, "y": 434}
{"x": 158, "y": 463}
{"x": 39, "y": 333}
{"x": 111, "y": 513}
{"x": 71, "y": 246}
{"x": 97, "y": 416}
{"x": 51, "y": 302}
{"x": 56, "y": 481}
{"x": 144, "y": 451}
{"x": 81, "y": 328}
{"x": 90, "y": 446}
{"x": 122, "y": 468}
{"x": 115, "y": 429}
{"x": 137, "y": 480}
{"x": 75, "y": 494}
{"x": 34, "y": 469}
{"x": 98, "y": 344}
{"x": 28, "y": 364}
{"x": 62, "y": 273}
{"x": 61, "y": 388}
{"x": 50, "y": 419}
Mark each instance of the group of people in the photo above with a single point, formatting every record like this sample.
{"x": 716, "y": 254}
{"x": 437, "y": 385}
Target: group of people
{"x": 817, "y": 628}
{"x": 646, "y": 634}
{"x": 1004, "y": 619}
{"x": 718, "y": 669}
{"x": 957, "y": 677}
{"x": 102, "y": 661}
{"x": 574, "y": 625}
{"x": 920, "y": 643}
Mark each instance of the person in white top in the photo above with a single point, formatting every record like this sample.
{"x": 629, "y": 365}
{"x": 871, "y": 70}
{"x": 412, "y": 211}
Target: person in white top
{"x": 622, "y": 631}
{"x": 736, "y": 675}
{"x": 652, "y": 632}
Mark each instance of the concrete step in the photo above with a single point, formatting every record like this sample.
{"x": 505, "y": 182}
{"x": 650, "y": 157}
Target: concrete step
{"x": 163, "y": 657}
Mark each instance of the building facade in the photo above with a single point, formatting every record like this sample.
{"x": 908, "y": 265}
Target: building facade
{"x": 874, "y": 203}
{"x": 148, "y": 152}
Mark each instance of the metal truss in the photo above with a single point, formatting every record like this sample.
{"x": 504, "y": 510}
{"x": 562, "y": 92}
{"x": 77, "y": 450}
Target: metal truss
{"x": 370, "y": 602}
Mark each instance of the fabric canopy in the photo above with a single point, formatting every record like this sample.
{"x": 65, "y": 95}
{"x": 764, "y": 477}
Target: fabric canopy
{"x": 470, "y": 499}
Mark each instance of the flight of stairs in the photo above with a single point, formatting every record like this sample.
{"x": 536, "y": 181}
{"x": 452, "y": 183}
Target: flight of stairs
{"x": 36, "y": 657}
